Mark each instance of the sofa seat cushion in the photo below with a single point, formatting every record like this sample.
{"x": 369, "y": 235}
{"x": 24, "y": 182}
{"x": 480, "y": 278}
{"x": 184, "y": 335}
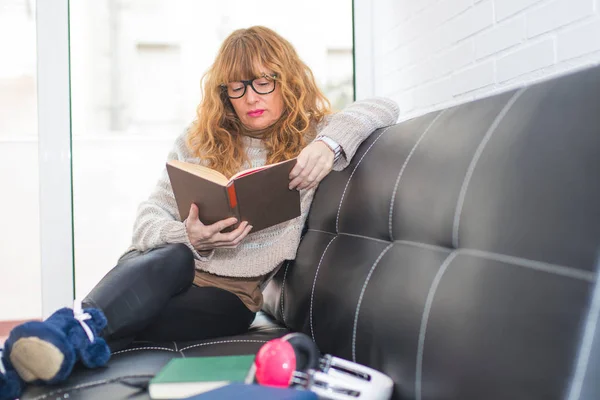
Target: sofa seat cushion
{"x": 129, "y": 370}
{"x": 457, "y": 253}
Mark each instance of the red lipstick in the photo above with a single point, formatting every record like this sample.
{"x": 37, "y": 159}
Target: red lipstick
{"x": 255, "y": 113}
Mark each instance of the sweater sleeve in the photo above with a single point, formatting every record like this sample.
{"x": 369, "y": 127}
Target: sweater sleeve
{"x": 158, "y": 221}
{"x": 351, "y": 126}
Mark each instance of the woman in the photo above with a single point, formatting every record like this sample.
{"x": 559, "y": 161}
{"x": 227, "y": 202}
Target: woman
{"x": 187, "y": 280}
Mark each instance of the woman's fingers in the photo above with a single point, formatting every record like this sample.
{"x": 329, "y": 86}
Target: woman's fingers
{"x": 322, "y": 174}
{"x": 300, "y": 164}
{"x": 314, "y": 163}
{"x": 316, "y": 175}
{"x": 300, "y": 180}
{"x": 320, "y": 171}
{"x": 215, "y": 229}
{"x": 229, "y": 237}
{"x": 193, "y": 215}
{"x": 237, "y": 240}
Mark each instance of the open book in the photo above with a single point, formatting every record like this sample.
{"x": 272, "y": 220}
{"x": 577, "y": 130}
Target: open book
{"x": 258, "y": 195}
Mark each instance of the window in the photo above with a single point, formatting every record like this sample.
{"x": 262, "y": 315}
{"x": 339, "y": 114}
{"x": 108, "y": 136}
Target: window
{"x": 19, "y": 177}
{"x": 136, "y": 67}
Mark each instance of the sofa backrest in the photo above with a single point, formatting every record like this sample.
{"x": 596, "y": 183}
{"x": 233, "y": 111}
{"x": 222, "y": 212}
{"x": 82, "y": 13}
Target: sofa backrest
{"x": 457, "y": 253}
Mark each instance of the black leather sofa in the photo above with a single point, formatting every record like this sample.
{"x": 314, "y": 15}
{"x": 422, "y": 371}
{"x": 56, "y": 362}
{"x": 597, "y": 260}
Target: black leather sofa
{"x": 457, "y": 253}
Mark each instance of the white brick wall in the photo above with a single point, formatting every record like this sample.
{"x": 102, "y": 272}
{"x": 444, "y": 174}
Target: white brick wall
{"x": 431, "y": 54}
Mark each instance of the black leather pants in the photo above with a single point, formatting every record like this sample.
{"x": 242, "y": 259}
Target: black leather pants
{"x": 150, "y": 296}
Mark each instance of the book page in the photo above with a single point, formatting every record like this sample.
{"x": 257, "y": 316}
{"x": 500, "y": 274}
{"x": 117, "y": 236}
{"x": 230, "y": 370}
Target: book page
{"x": 201, "y": 171}
{"x": 256, "y": 169}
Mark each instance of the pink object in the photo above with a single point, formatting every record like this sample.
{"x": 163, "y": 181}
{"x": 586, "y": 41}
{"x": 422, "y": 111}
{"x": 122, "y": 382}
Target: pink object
{"x": 275, "y": 363}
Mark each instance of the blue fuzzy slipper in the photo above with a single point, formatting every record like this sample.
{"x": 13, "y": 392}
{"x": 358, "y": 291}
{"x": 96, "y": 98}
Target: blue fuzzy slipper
{"x": 11, "y": 384}
{"x": 45, "y": 352}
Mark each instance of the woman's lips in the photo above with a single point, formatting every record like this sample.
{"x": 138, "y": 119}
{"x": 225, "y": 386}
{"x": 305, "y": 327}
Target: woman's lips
{"x": 255, "y": 113}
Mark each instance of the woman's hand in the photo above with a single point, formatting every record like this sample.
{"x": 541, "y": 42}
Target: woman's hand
{"x": 313, "y": 164}
{"x": 207, "y": 237}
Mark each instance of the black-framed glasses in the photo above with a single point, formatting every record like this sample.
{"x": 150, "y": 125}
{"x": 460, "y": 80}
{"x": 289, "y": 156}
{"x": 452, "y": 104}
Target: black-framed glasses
{"x": 262, "y": 85}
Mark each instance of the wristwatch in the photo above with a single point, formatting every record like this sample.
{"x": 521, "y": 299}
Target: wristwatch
{"x": 332, "y": 144}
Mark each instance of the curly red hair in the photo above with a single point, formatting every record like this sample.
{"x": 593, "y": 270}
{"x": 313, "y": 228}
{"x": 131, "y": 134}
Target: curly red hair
{"x": 216, "y": 134}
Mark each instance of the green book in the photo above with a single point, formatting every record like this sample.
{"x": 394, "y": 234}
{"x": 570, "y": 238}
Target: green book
{"x": 184, "y": 377}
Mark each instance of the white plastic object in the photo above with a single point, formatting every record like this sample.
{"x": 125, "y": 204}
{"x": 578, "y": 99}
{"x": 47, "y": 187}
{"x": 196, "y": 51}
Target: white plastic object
{"x": 339, "y": 379}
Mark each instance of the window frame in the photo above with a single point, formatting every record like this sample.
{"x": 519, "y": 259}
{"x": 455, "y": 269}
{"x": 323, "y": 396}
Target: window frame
{"x": 54, "y": 153}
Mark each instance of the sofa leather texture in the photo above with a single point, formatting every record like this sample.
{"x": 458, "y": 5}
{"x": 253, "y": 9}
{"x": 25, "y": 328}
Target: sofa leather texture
{"x": 457, "y": 254}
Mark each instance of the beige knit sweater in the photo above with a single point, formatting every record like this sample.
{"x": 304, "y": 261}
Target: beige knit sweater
{"x": 158, "y": 220}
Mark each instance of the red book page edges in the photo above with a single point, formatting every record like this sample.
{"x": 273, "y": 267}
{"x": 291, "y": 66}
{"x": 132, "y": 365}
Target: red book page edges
{"x": 232, "y": 196}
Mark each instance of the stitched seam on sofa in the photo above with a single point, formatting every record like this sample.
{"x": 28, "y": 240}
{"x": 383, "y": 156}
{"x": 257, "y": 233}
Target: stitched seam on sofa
{"x": 351, "y": 235}
{"x": 360, "y": 298}
{"x": 585, "y": 347}
{"x": 422, "y": 245}
{"x": 404, "y": 167}
{"x": 142, "y": 348}
{"x": 337, "y": 219}
{"x": 312, "y": 292}
{"x": 475, "y": 159}
{"x": 320, "y": 231}
{"x": 177, "y": 350}
{"x": 89, "y": 385}
{"x": 224, "y": 341}
{"x": 399, "y": 241}
{"x": 424, "y": 320}
{"x": 545, "y": 267}
{"x": 568, "y": 272}
{"x": 283, "y": 293}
